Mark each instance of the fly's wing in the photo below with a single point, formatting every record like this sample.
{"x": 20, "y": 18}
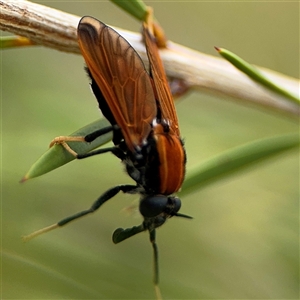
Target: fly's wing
{"x": 122, "y": 78}
{"x": 164, "y": 95}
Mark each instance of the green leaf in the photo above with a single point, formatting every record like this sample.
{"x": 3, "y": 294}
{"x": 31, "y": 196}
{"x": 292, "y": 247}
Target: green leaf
{"x": 57, "y": 155}
{"x": 236, "y": 159}
{"x": 136, "y": 8}
{"x": 7, "y": 42}
{"x": 139, "y": 10}
{"x": 255, "y": 74}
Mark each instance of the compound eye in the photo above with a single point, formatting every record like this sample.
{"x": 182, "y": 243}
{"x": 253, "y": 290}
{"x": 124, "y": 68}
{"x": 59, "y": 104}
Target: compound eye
{"x": 175, "y": 205}
{"x": 152, "y": 206}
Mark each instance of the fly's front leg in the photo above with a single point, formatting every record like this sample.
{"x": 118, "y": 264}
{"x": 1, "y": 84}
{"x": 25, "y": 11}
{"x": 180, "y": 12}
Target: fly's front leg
{"x": 114, "y": 150}
{"x": 62, "y": 140}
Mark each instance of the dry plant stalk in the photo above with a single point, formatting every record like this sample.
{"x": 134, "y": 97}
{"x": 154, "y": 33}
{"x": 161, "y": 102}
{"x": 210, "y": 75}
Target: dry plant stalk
{"x": 56, "y": 29}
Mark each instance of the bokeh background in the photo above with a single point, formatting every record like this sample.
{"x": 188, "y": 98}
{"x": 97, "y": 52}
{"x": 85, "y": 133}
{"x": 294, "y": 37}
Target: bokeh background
{"x": 244, "y": 239}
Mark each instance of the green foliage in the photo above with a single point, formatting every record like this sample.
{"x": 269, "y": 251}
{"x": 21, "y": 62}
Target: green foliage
{"x": 7, "y": 42}
{"x": 236, "y": 159}
{"x": 136, "y": 8}
{"x": 57, "y": 155}
{"x": 256, "y": 75}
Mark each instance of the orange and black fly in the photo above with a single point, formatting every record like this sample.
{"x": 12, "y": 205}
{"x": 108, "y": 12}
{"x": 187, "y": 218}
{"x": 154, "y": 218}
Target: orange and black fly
{"x": 146, "y": 136}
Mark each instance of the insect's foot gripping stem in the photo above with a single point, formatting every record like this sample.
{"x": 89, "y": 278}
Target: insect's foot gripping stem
{"x": 62, "y": 140}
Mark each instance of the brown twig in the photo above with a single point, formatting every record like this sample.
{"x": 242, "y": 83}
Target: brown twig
{"x": 55, "y": 29}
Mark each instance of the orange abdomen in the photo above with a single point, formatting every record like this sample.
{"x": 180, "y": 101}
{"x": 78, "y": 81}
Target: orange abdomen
{"x": 172, "y": 160}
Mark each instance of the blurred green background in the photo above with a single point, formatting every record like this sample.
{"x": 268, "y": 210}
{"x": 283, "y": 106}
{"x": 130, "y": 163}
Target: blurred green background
{"x": 244, "y": 239}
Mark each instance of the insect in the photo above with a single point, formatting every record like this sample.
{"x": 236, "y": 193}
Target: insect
{"x": 146, "y": 136}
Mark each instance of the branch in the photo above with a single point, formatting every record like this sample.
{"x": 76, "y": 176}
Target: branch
{"x": 55, "y": 29}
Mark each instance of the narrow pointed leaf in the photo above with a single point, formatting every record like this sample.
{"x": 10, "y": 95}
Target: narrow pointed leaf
{"x": 237, "y": 159}
{"x": 136, "y": 8}
{"x": 256, "y": 75}
{"x": 57, "y": 155}
{"x": 7, "y": 42}
{"x": 139, "y": 10}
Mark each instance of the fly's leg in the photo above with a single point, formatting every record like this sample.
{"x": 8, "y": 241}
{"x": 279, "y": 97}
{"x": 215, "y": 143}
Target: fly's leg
{"x": 96, "y": 205}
